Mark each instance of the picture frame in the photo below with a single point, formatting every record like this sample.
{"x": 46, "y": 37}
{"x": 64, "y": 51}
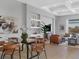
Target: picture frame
{"x": 61, "y": 27}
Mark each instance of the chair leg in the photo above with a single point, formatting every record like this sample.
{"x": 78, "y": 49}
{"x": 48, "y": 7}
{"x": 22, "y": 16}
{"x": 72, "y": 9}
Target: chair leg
{"x": 2, "y": 55}
{"x": 38, "y": 54}
{"x": 22, "y": 46}
{"x": 45, "y": 54}
{"x": 11, "y": 56}
{"x": 31, "y": 53}
{"x": 19, "y": 53}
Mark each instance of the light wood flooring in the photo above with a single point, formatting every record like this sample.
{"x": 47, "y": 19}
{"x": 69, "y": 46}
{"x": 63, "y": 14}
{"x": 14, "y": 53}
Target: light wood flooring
{"x": 54, "y": 52}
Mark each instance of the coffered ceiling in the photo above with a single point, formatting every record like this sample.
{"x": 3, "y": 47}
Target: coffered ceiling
{"x": 56, "y": 7}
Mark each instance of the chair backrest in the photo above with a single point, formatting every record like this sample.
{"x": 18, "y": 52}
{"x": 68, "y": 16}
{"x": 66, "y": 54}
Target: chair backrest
{"x": 40, "y": 40}
{"x": 2, "y": 43}
{"x": 39, "y": 45}
{"x": 13, "y": 39}
{"x": 55, "y": 39}
{"x": 55, "y": 36}
{"x": 9, "y": 48}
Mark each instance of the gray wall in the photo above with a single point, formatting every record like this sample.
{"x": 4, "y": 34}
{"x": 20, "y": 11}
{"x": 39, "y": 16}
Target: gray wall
{"x": 62, "y": 20}
{"x": 21, "y": 12}
{"x": 13, "y": 8}
{"x": 30, "y": 10}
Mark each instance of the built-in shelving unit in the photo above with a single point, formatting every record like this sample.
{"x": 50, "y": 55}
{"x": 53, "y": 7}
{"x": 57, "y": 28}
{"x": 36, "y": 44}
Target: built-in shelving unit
{"x": 35, "y": 23}
{"x": 35, "y": 27}
{"x": 36, "y": 20}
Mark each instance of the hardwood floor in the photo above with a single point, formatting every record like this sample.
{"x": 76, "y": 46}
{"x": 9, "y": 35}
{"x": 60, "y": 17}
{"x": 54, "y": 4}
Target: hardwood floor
{"x": 55, "y": 52}
{"x": 63, "y": 52}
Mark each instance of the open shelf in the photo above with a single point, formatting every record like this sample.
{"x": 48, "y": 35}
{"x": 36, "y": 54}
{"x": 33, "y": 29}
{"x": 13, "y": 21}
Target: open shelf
{"x": 35, "y": 27}
{"x": 35, "y": 20}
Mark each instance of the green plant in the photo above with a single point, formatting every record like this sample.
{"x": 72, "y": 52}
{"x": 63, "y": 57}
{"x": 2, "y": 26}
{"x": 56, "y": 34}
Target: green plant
{"x": 44, "y": 30}
{"x": 24, "y": 37}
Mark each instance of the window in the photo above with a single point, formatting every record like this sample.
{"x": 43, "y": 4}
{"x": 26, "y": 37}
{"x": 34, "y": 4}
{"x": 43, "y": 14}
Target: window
{"x": 73, "y": 26}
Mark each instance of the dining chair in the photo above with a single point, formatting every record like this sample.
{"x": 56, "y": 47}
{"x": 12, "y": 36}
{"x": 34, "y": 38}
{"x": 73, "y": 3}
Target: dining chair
{"x": 2, "y": 42}
{"x": 1, "y": 45}
{"x": 14, "y": 40}
{"x": 39, "y": 47}
{"x": 55, "y": 39}
{"x": 8, "y": 50}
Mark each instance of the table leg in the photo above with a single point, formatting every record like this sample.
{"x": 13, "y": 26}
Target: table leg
{"x": 27, "y": 51}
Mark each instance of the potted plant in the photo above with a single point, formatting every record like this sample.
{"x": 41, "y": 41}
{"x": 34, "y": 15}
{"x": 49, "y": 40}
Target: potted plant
{"x": 24, "y": 37}
{"x": 44, "y": 30}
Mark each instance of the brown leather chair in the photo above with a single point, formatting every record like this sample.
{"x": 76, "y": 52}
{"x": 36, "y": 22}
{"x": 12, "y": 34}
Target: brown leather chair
{"x": 55, "y": 39}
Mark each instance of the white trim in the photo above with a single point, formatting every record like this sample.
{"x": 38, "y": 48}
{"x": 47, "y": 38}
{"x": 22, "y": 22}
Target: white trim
{"x": 35, "y": 27}
{"x": 54, "y": 25}
{"x": 36, "y": 20}
{"x": 67, "y": 25}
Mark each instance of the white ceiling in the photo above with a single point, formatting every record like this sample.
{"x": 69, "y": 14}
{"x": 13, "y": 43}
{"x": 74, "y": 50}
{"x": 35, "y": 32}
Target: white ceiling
{"x": 56, "y": 7}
